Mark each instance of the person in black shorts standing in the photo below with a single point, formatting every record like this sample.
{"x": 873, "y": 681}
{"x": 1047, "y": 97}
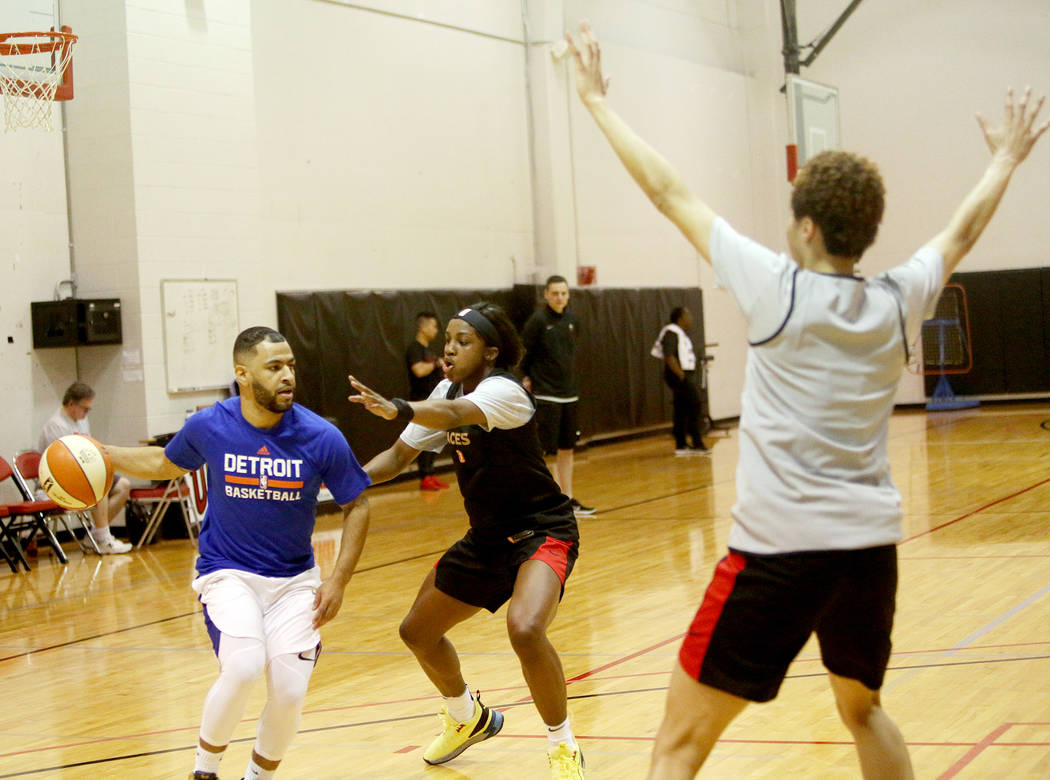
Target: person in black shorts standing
{"x": 522, "y": 541}
{"x": 549, "y": 370}
{"x": 675, "y": 348}
{"x": 424, "y": 373}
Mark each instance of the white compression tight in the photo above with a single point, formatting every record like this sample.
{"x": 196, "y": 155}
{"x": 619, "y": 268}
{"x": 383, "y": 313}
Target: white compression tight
{"x": 241, "y": 662}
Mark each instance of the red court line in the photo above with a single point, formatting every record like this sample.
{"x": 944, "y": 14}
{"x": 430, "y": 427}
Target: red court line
{"x": 975, "y": 511}
{"x": 973, "y": 752}
{"x": 971, "y": 557}
{"x": 842, "y": 742}
{"x": 617, "y": 662}
{"x": 976, "y": 750}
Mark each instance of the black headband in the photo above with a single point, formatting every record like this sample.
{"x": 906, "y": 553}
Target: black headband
{"x": 482, "y": 325}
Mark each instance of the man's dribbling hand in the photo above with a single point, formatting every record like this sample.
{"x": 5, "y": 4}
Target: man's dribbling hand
{"x": 327, "y": 601}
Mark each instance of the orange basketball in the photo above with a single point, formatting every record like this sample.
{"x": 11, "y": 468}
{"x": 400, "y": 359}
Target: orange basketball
{"x": 75, "y": 472}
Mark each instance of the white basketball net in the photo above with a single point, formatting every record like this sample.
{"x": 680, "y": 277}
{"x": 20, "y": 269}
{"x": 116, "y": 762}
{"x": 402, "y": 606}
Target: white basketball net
{"x": 28, "y": 79}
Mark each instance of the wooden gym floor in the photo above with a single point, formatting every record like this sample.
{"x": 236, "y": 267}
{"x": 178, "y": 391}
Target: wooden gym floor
{"x": 105, "y": 662}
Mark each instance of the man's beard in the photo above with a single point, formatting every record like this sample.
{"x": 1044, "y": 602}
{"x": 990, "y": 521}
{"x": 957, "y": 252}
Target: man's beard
{"x": 269, "y": 401}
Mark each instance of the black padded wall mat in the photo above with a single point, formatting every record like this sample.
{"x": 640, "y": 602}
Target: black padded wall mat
{"x": 1009, "y": 332}
{"x": 365, "y": 332}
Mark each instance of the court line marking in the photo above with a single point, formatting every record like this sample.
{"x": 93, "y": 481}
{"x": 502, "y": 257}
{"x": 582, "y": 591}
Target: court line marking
{"x": 584, "y": 675}
{"x": 973, "y": 752}
{"x": 971, "y": 513}
{"x": 185, "y": 614}
{"x": 402, "y": 718}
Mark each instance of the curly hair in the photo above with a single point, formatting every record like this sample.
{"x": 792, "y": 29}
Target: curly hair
{"x": 844, "y": 195}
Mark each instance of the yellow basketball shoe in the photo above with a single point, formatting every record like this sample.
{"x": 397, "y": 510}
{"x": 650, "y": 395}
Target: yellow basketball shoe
{"x": 566, "y": 763}
{"x": 457, "y": 736}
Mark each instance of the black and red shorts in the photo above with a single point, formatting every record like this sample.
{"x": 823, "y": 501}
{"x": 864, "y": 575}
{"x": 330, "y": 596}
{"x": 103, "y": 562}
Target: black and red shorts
{"x": 759, "y": 611}
{"x": 481, "y": 569}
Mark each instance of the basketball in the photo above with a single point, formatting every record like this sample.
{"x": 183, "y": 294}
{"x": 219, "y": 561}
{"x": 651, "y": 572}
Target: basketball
{"x": 75, "y": 472}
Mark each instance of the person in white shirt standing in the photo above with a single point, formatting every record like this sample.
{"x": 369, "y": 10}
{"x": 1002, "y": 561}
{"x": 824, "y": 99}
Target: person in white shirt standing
{"x": 675, "y": 348}
{"x": 72, "y": 417}
{"x": 817, "y": 518}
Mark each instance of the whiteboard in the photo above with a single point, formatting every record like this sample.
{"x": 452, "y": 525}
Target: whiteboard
{"x": 200, "y": 326}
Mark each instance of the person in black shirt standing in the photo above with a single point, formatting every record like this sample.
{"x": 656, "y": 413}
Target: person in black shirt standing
{"x": 549, "y": 370}
{"x": 424, "y": 373}
{"x": 522, "y": 541}
{"x": 675, "y": 347}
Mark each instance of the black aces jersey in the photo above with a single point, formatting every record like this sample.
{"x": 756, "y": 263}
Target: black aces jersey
{"x": 502, "y": 475}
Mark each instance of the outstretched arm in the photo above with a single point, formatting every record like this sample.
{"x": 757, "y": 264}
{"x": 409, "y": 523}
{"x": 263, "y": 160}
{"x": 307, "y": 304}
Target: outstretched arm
{"x": 436, "y": 413}
{"x": 1009, "y": 142}
{"x": 660, "y": 182}
{"x": 143, "y": 462}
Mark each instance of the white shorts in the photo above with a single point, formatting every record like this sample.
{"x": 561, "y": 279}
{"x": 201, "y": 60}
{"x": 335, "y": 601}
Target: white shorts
{"x": 278, "y": 611}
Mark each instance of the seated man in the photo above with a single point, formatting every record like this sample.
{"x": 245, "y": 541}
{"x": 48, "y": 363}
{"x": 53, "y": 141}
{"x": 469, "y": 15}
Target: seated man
{"x": 72, "y": 418}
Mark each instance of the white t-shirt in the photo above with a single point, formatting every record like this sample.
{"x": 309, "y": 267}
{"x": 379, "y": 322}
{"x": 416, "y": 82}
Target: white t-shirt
{"x": 503, "y": 401}
{"x": 686, "y": 356}
{"x": 58, "y": 425}
{"x": 827, "y": 352}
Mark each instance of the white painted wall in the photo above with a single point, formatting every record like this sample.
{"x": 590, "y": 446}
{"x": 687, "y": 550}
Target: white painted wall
{"x": 34, "y": 257}
{"x": 302, "y": 144}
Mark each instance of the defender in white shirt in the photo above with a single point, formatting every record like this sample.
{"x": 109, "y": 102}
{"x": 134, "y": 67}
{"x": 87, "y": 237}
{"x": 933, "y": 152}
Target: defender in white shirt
{"x": 817, "y": 517}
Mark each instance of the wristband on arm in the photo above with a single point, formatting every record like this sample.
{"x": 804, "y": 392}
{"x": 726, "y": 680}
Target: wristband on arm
{"x": 404, "y": 409}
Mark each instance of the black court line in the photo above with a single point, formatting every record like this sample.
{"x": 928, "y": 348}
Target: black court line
{"x": 97, "y": 636}
{"x": 930, "y": 424}
{"x": 501, "y": 707}
{"x": 183, "y": 615}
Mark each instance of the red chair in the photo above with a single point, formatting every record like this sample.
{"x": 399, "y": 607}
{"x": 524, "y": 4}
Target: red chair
{"x": 189, "y": 491}
{"x": 27, "y": 469}
{"x": 28, "y": 515}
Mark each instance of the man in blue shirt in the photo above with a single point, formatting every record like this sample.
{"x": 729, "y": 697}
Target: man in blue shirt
{"x": 263, "y": 596}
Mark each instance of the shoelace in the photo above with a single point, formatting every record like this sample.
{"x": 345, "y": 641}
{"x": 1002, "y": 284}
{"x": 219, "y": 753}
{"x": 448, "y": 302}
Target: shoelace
{"x": 565, "y": 759}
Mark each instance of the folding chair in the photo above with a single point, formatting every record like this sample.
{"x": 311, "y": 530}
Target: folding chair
{"x": 27, "y": 469}
{"x": 28, "y": 514}
{"x": 9, "y": 555}
{"x": 189, "y": 491}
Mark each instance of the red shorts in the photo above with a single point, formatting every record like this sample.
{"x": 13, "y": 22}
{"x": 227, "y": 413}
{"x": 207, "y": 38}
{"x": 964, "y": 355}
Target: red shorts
{"x": 482, "y": 571}
{"x": 759, "y": 611}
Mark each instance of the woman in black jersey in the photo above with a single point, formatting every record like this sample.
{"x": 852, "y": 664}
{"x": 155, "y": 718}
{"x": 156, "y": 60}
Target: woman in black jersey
{"x": 522, "y": 541}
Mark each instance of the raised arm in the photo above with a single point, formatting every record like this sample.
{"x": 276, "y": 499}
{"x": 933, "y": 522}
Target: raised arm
{"x": 1009, "y": 142}
{"x": 660, "y": 182}
{"x": 143, "y": 462}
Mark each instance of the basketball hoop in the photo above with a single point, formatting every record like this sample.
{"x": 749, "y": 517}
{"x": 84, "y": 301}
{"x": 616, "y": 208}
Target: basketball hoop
{"x": 36, "y": 69}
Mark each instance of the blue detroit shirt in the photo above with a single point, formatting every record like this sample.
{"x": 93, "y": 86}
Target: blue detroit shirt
{"x": 263, "y": 484}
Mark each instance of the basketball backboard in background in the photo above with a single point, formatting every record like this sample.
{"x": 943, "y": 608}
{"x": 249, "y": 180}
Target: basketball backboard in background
{"x": 23, "y": 15}
{"x": 813, "y": 120}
